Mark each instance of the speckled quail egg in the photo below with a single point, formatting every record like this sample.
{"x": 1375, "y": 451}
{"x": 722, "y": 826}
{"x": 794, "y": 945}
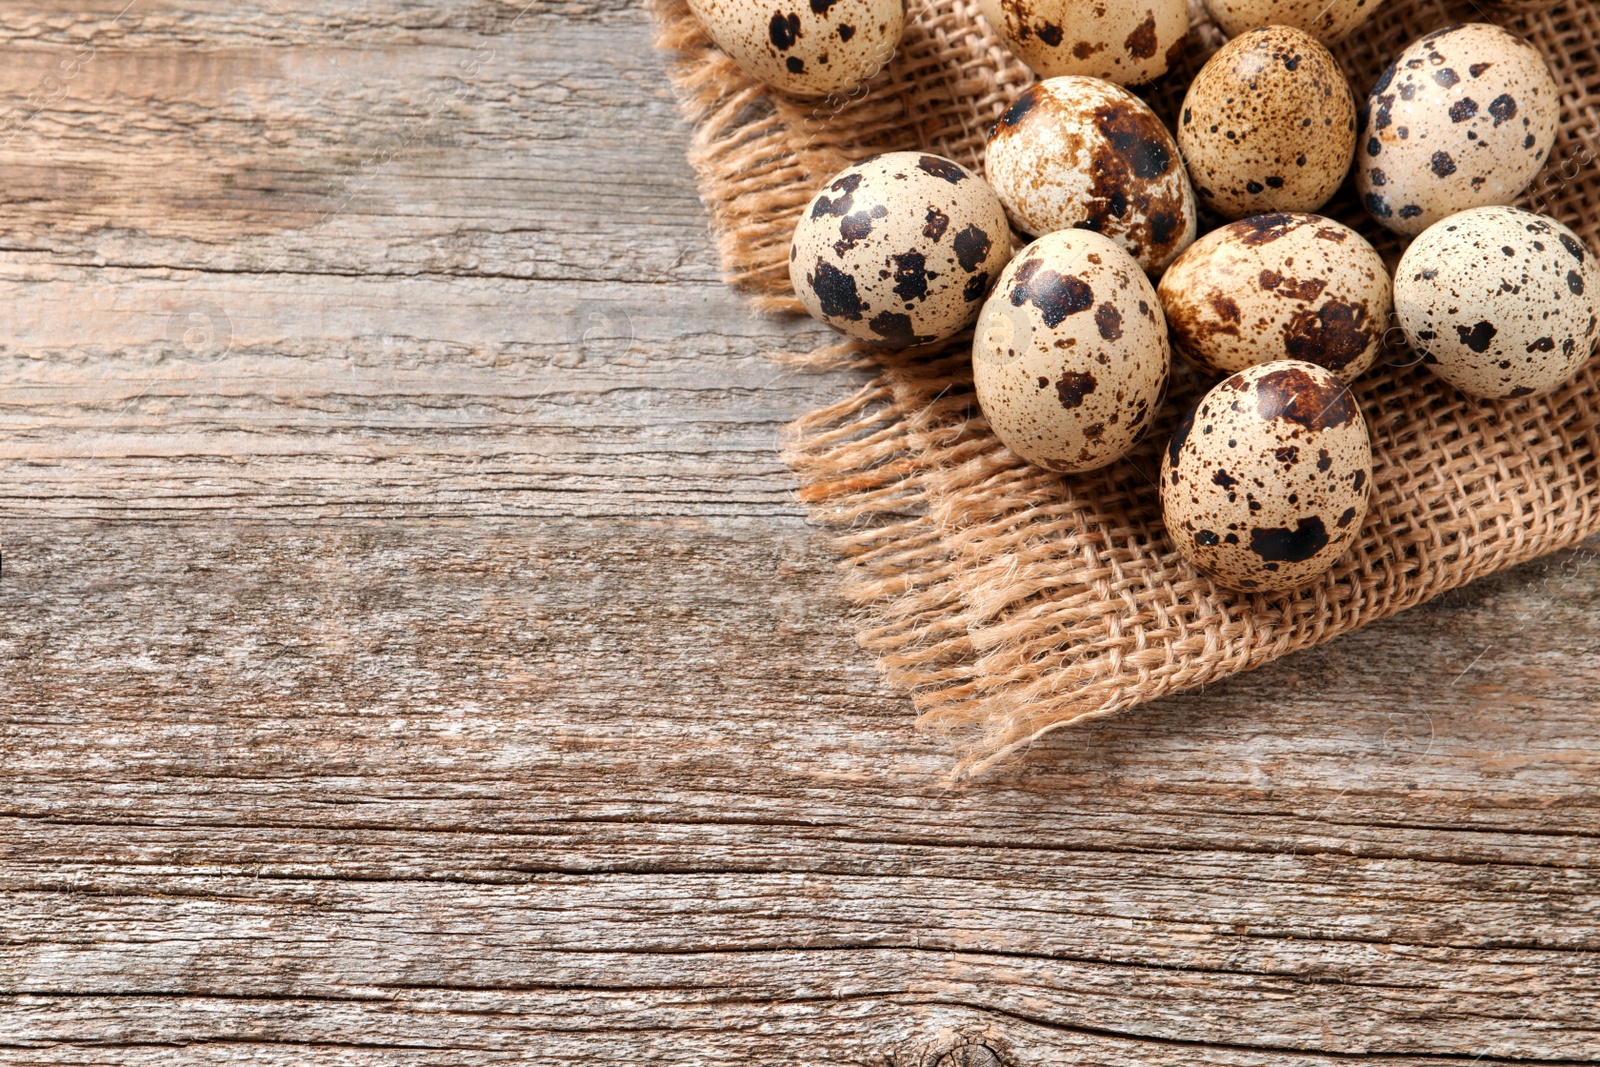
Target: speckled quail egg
{"x": 1286, "y": 286}
{"x": 1070, "y": 356}
{"x": 1126, "y": 41}
{"x": 900, "y": 249}
{"x": 1265, "y": 482}
{"x": 1498, "y": 301}
{"x": 1082, "y": 152}
{"x": 1326, "y": 20}
{"x": 826, "y": 46}
{"x": 1269, "y": 125}
{"x": 1464, "y": 118}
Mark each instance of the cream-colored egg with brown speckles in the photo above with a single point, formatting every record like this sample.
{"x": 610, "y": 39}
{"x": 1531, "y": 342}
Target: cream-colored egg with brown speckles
{"x": 1285, "y": 286}
{"x": 1329, "y": 21}
{"x": 1266, "y": 480}
{"x": 807, "y": 49}
{"x": 1464, "y": 118}
{"x": 1129, "y": 42}
{"x": 1268, "y": 125}
{"x": 900, "y": 250}
{"x": 1499, "y": 302}
{"x": 1070, "y": 356}
{"x": 1082, "y": 152}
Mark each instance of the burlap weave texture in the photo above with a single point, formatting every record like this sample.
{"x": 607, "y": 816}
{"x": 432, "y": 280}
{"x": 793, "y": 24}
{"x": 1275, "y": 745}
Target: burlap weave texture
{"x": 1009, "y": 601}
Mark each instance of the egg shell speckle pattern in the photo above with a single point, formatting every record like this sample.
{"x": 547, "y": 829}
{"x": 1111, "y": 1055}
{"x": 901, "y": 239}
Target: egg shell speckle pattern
{"x": 1268, "y": 125}
{"x": 1070, "y": 357}
{"x": 1326, "y": 20}
{"x": 1124, "y": 41}
{"x": 805, "y": 49}
{"x": 1284, "y": 286}
{"x": 900, "y": 249}
{"x": 1464, "y": 118}
{"x": 1266, "y": 480}
{"x": 1500, "y": 302}
{"x": 1082, "y": 152}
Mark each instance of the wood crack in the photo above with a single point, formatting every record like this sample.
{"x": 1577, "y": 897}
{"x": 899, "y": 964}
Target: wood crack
{"x": 1432, "y": 1057}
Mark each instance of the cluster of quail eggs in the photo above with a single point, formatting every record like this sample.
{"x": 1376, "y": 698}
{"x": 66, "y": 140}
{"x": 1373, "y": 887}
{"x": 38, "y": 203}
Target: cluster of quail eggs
{"x": 1202, "y": 240}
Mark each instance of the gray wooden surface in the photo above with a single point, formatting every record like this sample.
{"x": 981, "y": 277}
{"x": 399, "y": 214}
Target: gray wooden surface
{"x": 411, "y": 651}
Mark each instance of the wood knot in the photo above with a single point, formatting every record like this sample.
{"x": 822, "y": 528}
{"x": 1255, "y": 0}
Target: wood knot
{"x": 971, "y": 1056}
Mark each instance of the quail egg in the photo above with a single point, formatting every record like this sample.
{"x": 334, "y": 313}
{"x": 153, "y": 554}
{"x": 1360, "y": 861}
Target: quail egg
{"x": 808, "y": 50}
{"x": 1326, "y": 20}
{"x": 1268, "y": 125}
{"x": 900, "y": 249}
{"x": 1498, "y": 301}
{"x": 1464, "y": 118}
{"x": 1286, "y": 286}
{"x": 1070, "y": 356}
{"x": 1266, "y": 480}
{"x": 1127, "y": 41}
{"x": 1083, "y": 152}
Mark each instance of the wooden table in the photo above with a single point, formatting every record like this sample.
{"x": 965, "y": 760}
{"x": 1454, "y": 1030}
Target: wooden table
{"x": 411, "y": 651}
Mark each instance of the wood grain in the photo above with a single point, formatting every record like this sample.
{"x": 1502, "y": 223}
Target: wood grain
{"x": 440, "y": 671}
{"x": 328, "y": 268}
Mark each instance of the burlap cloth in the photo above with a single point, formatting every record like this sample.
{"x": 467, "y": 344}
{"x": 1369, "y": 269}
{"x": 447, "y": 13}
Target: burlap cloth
{"x": 1009, "y": 601}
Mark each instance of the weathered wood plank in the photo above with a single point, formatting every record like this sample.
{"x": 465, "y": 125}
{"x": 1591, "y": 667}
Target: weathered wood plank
{"x": 406, "y": 1028}
{"x": 413, "y": 396}
{"x": 303, "y": 137}
{"x": 369, "y": 629}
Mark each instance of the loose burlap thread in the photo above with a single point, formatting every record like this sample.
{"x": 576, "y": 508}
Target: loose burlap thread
{"x": 1009, "y": 601}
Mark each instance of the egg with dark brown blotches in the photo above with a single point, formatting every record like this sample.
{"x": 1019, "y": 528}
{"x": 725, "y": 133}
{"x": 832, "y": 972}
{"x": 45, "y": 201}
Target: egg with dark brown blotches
{"x": 1082, "y": 152}
{"x": 1464, "y": 118}
{"x": 1329, "y": 21}
{"x": 809, "y": 50}
{"x": 1070, "y": 356}
{"x": 1129, "y": 42}
{"x": 1265, "y": 483}
{"x": 900, "y": 249}
{"x": 1284, "y": 286}
{"x": 1499, "y": 302}
{"x": 1268, "y": 125}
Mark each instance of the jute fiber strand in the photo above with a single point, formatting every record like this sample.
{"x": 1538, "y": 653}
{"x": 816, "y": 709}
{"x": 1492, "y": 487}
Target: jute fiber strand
{"x": 1009, "y": 601}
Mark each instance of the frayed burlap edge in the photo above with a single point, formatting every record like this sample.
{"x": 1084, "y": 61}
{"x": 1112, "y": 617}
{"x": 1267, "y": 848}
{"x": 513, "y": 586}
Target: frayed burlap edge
{"x": 1009, "y": 602}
